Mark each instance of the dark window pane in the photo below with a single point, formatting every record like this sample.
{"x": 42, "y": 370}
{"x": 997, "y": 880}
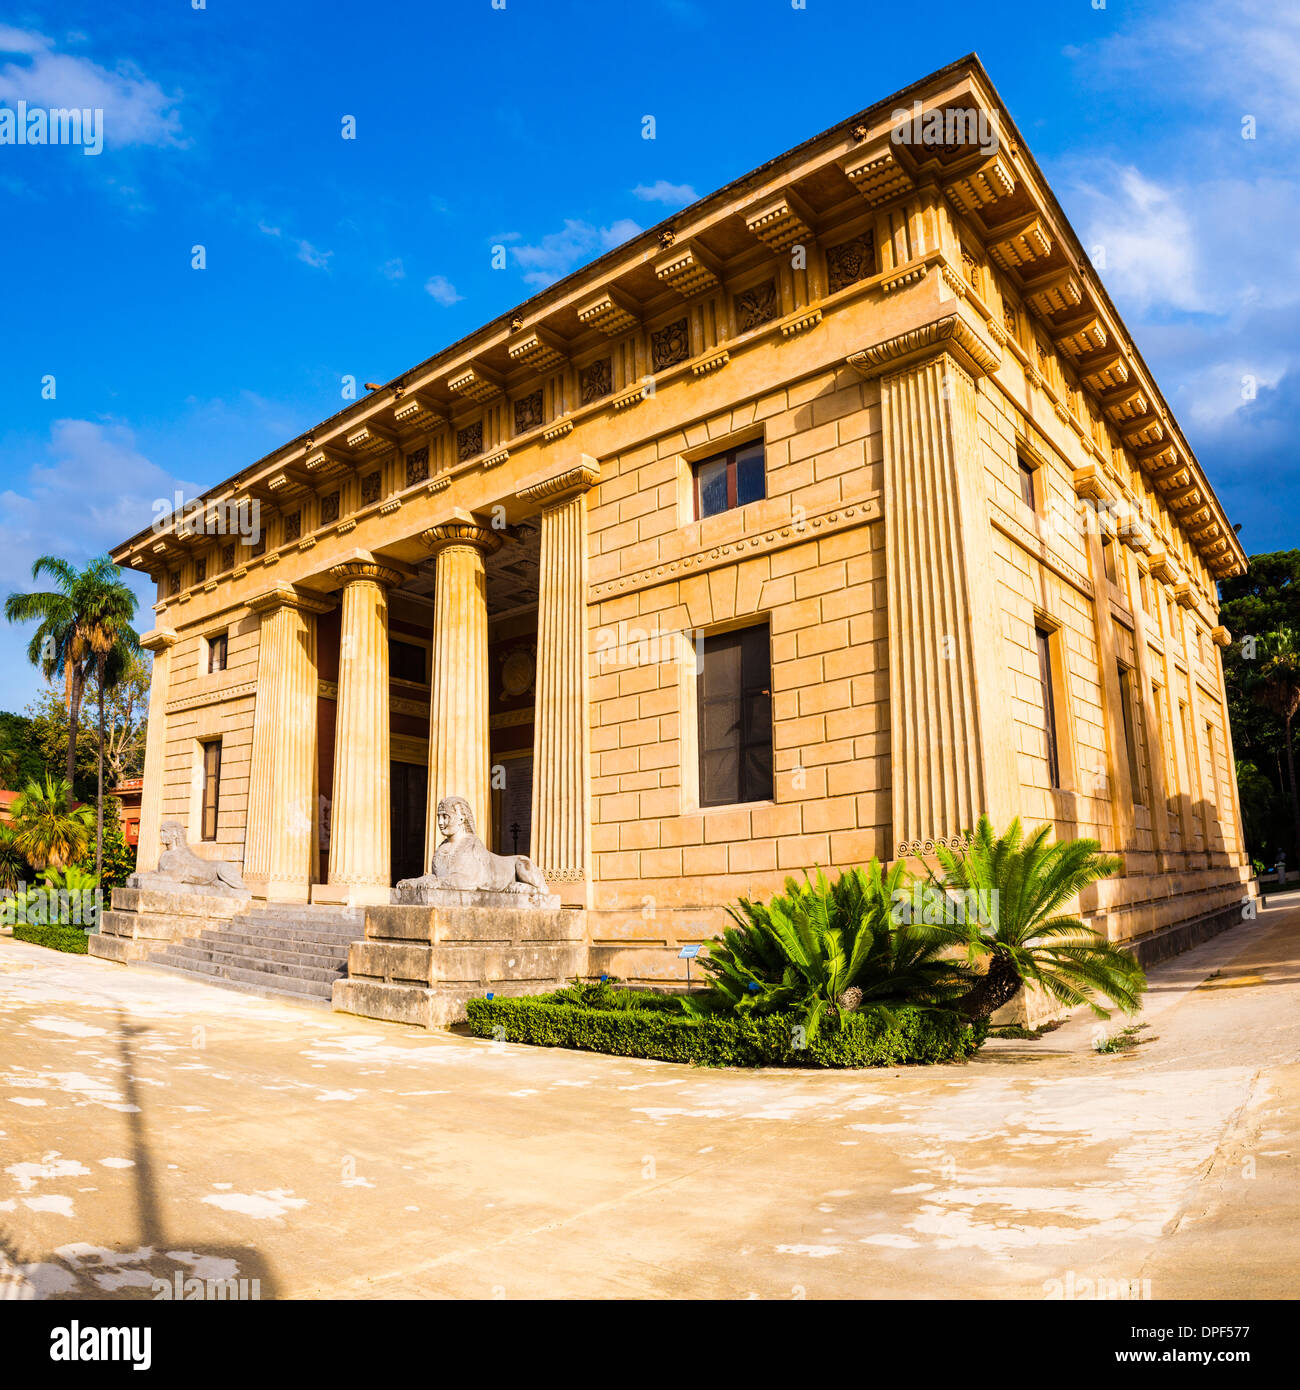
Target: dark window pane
{"x": 1049, "y": 706}
{"x": 750, "y": 483}
{"x": 211, "y": 788}
{"x": 405, "y": 661}
{"x": 720, "y": 777}
{"x": 1027, "y": 486}
{"x": 735, "y": 717}
{"x": 713, "y": 487}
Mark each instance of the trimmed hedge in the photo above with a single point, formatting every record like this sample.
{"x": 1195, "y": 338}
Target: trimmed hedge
{"x": 875, "y": 1039}
{"x": 71, "y": 939}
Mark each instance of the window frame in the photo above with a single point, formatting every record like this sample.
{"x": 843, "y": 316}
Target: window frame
{"x": 731, "y": 457}
{"x": 746, "y": 794}
{"x": 218, "y": 641}
{"x": 1128, "y": 710}
{"x": 210, "y": 794}
{"x": 1028, "y": 471}
{"x": 1051, "y": 725}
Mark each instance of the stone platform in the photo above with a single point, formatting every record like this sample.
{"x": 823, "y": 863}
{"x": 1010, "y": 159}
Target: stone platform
{"x": 144, "y": 920}
{"x": 420, "y": 964}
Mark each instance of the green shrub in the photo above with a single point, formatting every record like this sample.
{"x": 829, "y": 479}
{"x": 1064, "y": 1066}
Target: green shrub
{"x": 870, "y": 1038}
{"x": 71, "y": 939}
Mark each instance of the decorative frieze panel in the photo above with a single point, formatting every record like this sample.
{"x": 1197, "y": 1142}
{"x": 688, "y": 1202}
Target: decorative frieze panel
{"x": 329, "y": 508}
{"x": 595, "y": 380}
{"x": 528, "y": 413}
{"x": 686, "y": 270}
{"x": 469, "y": 441}
{"x": 757, "y": 306}
{"x": 850, "y": 262}
{"x": 370, "y": 488}
{"x": 608, "y": 314}
{"x": 417, "y": 466}
{"x": 669, "y": 345}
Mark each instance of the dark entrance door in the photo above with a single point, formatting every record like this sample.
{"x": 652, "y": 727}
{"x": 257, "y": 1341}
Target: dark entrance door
{"x": 409, "y": 783}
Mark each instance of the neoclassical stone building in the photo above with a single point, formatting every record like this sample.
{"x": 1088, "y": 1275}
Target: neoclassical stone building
{"x": 802, "y": 528}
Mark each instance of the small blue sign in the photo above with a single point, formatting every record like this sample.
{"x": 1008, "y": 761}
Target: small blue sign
{"x": 689, "y": 952}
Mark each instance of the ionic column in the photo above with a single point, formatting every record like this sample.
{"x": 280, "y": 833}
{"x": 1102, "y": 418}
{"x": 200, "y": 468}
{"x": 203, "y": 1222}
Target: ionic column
{"x": 160, "y": 642}
{"x": 458, "y": 711}
{"x": 952, "y": 747}
{"x": 279, "y": 852}
{"x": 360, "y": 869}
{"x": 560, "y": 809}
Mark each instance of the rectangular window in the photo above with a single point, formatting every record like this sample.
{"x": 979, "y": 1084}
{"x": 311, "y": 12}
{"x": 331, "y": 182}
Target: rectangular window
{"x": 735, "y": 717}
{"x": 1130, "y": 731}
{"x": 1108, "y": 559}
{"x": 1044, "y": 642}
{"x": 211, "y": 787}
{"x": 406, "y": 662}
{"x": 1028, "y": 490}
{"x": 217, "y": 645}
{"x": 729, "y": 480}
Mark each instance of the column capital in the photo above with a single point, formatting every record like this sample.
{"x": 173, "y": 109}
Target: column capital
{"x": 462, "y": 528}
{"x": 560, "y": 483}
{"x": 351, "y": 571}
{"x": 287, "y": 596}
{"x": 158, "y": 639}
{"x": 951, "y": 334}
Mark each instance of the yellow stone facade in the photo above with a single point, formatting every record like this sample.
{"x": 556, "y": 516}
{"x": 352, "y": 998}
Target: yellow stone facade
{"x": 911, "y": 331}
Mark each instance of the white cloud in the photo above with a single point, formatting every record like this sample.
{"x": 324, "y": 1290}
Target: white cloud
{"x": 394, "y": 269}
{"x": 675, "y": 195}
{"x": 442, "y": 290}
{"x": 136, "y": 109}
{"x": 94, "y": 489}
{"x": 558, "y": 253}
{"x": 309, "y": 255}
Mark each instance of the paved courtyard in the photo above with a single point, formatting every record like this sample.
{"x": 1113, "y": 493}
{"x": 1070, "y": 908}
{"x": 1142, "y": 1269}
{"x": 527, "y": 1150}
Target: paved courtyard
{"x": 150, "y": 1126}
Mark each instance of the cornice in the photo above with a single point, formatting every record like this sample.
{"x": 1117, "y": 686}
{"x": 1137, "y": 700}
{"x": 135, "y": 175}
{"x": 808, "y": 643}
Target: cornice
{"x": 287, "y": 596}
{"x": 562, "y": 485}
{"x": 951, "y": 334}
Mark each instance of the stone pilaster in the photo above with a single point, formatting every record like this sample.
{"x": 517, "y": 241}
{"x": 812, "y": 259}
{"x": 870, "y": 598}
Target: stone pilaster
{"x": 360, "y": 866}
{"x": 458, "y": 711}
{"x": 561, "y": 797}
{"x": 951, "y": 745}
{"x": 160, "y": 642}
{"x": 282, "y": 792}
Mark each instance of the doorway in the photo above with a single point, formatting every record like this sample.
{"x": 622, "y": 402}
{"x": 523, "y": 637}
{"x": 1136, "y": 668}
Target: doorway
{"x": 409, "y": 789}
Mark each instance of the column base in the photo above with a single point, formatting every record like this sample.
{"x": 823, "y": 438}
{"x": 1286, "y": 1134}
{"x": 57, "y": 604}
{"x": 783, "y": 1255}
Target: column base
{"x": 351, "y": 894}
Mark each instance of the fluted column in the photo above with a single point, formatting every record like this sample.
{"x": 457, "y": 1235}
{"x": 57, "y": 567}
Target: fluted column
{"x": 160, "y": 642}
{"x": 360, "y": 869}
{"x": 560, "y": 809}
{"x": 952, "y": 751}
{"x": 458, "y": 711}
{"x": 279, "y": 852}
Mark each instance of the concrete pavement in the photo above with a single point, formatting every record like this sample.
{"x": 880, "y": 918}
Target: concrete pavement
{"x": 151, "y": 1126}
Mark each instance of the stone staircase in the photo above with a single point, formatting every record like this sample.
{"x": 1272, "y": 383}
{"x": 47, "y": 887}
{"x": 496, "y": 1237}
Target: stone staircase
{"x": 281, "y": 949}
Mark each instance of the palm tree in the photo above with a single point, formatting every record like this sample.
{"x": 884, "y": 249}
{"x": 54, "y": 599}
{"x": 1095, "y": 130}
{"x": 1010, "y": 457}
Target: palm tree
{"x": 46, "y": 832}
{"x": 1276, "y": 686}
{"x": 84, "y": 627}
{"x": 13, "y": 862}
{"x": 1031, "y": 940}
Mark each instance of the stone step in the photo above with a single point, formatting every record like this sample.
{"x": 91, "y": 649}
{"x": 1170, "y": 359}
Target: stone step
{"x": 314, "y": 916}
{"x": 203, "y": 957}
{"x": 259, "y": 950}
{"x": 296, "y": 991}
{"x": 334, "y": 944}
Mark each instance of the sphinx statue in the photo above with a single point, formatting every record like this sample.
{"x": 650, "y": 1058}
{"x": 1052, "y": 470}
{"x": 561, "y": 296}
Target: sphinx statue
{"x": 181, "y": 870}
{"x": 463, "y": 862}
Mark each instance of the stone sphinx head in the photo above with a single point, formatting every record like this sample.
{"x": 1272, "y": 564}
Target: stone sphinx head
{"x": 455, "y": 815}
{"x": 172, "y": 834}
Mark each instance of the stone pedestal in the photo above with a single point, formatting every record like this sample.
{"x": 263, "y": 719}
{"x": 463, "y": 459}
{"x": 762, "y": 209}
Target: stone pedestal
{"x": 458, "y": 712}
{"x": 420, "y": 965}
{"x": 143, "y": 920}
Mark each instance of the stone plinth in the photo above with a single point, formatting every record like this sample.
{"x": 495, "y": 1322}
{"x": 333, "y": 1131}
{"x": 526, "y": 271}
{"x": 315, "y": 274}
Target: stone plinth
{"x": 412, "y": 893}
{"x": 420, "y": 964}
{"x": 143, "y": 919}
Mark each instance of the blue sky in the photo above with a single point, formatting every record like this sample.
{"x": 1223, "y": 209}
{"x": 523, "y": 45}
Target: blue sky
{"x": 476, "y": 125}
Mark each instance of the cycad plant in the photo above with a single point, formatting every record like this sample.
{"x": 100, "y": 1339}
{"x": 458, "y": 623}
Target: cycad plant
{"x": 13, "y": 863}
{"x": 1034, "y": 938}
{"x": 46, "y": 832}
{"x": 823, "y": 947}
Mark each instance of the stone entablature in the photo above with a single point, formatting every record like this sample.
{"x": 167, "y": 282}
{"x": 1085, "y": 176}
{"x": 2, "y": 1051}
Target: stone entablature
{"x": 985, "y": 221}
